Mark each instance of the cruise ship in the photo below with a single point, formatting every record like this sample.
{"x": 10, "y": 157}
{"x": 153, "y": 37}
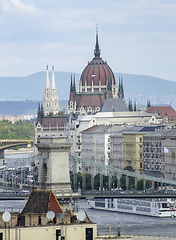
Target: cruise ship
{"x": 155, "y": 208}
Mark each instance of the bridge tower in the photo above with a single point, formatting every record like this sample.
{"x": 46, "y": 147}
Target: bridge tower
{"x": 54, "y": 166}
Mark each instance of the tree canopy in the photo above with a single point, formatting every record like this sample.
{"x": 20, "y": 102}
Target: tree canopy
{"x": 19, "y": 130}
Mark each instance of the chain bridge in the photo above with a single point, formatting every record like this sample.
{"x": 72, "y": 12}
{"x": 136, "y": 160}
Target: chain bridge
{"x": 95, "y": 167}
{"x": 5, "y": 144}
{"x": 12, "y": 187}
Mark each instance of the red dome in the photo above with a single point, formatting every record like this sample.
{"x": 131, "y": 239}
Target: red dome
{"x": 98, "y": 70}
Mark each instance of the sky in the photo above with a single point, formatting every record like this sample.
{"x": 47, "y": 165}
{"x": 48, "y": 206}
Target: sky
{"x": 135, "y": 36}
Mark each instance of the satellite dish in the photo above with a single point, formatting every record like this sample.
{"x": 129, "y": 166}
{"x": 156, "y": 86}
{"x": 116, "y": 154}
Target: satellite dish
{"x": 50, "y": 215}
{"x": 62, "y": 216}
{"x": 81, "y": 215}
{"x": 6, "y": 216}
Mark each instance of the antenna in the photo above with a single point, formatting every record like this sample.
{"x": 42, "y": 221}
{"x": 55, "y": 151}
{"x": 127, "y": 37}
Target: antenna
{"x": 62, "y": 215}
{"x": 50, "y": 215}
{"x": 6, "y": 216}
{"x": 81, "y": 215}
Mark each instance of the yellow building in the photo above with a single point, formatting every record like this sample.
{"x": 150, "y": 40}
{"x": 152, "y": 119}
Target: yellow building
{"x": 133, "y": 150}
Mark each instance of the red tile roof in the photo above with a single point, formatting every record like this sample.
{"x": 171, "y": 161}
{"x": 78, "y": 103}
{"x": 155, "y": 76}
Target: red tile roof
{"x": 163, "y": 111}
{"x": 41, "y": 201}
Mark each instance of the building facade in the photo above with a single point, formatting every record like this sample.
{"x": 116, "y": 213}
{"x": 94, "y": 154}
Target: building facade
{"x": 96, "y": 84}
{"x": 96, "y": 144}
{"x": 50, "y": 121}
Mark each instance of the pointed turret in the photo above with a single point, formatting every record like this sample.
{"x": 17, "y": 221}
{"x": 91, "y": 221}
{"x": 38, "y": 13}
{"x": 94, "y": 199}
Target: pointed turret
{"x": 122, "y": 92}
{"x": 72, "y": 89}
{"x": 135, "y": 109}
{"x": 74, "y": 86}
{"x": 97, "y": 49}
{"x": 39, "y": 114}
{"x": 47, "y": 84}
{"x": 148, "y": 103}
{"x": 130, "y": 106}
{"x": 53, "y": 79}
{"x": 119, "y": 89}
{"x": 71, "y": 85}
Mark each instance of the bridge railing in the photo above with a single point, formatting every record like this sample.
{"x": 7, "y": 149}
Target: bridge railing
{"x": 94, "y": 165}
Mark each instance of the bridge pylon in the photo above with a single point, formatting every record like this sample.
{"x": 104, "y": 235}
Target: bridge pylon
{"x": 54, "y": 166}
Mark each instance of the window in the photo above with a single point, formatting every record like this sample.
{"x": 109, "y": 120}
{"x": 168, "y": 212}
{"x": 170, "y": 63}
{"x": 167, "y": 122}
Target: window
{"x": 140, "y": 139}
{"x": 140, "y": 156}
{"x": 89, "y": 233}
{"x": 140, "y": 148}
{"x": 58, "y": 234}
{"x": 39, "y": 220}
{"x": 1, "y": 236}
{"x": 108, "y": 154}
{"x": 140, "y": 165}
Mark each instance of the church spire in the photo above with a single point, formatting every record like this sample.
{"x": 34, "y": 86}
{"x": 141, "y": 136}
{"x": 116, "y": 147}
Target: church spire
{"x": 74, "y": 86}
{"x": 47, "y": 84}
{"x": 97, "y": 50}
{"x": 53, "y": 79}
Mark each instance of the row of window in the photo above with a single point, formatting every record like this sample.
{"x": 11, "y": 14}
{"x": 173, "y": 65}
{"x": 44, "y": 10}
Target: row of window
{"x": 143, "y": 209}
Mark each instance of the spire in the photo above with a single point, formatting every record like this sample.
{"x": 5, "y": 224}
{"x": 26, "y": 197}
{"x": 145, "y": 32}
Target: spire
{"x": 135, "y": 109}
{"x": 74, "y": 86}
{"x": 97, "y": 50}
{"x": 71, "y": 85}
{"x": 53, "y": 79}
{"x": 122, "y": 92}
{"x": 39, "y": 107}
{"x": 148, "y": 103}
{"x": 47, "y": 84}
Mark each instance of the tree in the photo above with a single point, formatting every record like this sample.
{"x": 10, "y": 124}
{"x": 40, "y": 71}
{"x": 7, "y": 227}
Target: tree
{"x": 131, "y": 179}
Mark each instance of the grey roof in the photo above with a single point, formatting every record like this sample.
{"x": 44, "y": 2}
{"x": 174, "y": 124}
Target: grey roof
{"x": 114, "y": 105}
{"x": 144, "y": 129}
{"x": 168, "y": 133}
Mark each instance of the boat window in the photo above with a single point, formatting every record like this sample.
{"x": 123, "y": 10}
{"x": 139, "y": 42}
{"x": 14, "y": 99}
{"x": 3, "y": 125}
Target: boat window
{"x": 164, "y": 205}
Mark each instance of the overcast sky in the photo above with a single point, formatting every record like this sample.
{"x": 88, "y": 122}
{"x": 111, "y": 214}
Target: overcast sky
{"x": 135, "y": 36}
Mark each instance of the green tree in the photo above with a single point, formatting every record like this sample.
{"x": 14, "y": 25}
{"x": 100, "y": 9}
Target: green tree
{"x": 131, "y": 179}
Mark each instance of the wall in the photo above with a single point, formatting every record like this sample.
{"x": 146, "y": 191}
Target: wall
{"x": 71, "y": 232}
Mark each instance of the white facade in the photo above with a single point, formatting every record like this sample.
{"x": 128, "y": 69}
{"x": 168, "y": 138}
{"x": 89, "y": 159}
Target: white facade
{"x": 50, "y": 98}
{"x": 96, "y": 144}
{"x": 116, "y": 146}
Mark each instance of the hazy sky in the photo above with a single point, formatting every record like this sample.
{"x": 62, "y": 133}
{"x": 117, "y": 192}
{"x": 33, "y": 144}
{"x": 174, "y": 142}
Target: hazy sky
{"x": 135, "y": 36}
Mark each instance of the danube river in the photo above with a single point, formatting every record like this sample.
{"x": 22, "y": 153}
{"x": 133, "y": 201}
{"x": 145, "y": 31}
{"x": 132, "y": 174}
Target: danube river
{"x": 130, "y": 224}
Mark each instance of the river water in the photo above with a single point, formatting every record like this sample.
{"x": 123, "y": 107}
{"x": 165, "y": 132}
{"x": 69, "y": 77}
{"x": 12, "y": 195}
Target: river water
{"x": 130, "y": 224}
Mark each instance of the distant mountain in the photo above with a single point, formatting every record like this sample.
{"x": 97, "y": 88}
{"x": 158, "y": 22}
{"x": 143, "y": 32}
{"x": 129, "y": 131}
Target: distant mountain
{"x": 27, "y": 107}
{"x": 136, "y": 87}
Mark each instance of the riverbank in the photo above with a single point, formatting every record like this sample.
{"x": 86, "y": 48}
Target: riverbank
{"x": 21, "y": 150}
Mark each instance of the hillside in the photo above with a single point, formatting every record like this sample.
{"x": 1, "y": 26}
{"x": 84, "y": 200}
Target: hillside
{"x": 136, "y": 87}
{"x": 27, "y": 107}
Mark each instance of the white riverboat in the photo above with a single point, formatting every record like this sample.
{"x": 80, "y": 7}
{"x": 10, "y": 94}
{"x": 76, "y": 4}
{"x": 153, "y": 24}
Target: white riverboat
{"x": 156, "y": 208}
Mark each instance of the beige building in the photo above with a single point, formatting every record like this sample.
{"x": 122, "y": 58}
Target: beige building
{"x": 35, "y": 223}
{"x": 77, "y": 231}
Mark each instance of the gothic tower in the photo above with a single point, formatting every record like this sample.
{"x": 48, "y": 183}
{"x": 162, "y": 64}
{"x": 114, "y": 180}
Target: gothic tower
{"x": 50, "y": 98}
